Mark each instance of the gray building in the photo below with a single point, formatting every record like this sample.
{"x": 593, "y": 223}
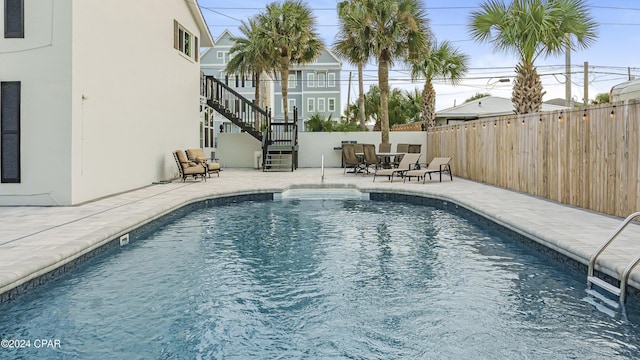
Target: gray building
{"x": 313, "y": 88}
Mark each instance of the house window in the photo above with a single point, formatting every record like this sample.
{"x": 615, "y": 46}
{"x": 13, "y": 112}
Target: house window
{"x": 223, "y": 55}
{"x": 10, "y": 132}
{"x": 185, "y": 42}
{"x": 207, "y": 138}
{"x": 292, "y": 104}
{"x": 331, "y": 104}
{"x": 321, "y": 105}
{"x": 292, "y": 81}
{"x": 311, "y": 80}
{"x": 321, "y": 79}
{"x": 331, "y": 80}
{"x": 311, "y": 105}
{"x": 13, "y": 19}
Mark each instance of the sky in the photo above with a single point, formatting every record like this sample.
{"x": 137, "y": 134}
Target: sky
{"x": 611, "y": 59}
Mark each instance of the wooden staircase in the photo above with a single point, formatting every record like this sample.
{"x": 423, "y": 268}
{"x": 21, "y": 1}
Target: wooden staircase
{"x": 279, "y": 140}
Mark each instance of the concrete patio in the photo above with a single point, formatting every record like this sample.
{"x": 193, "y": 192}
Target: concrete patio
{"x": 35, "y": 241}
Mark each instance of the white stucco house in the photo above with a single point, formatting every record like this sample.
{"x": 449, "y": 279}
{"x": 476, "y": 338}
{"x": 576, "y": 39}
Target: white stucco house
{"x": 95, "y": 95}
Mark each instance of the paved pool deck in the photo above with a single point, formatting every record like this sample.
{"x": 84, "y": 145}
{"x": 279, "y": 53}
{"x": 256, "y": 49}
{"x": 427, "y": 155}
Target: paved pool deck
{"x": 35, "y": 241}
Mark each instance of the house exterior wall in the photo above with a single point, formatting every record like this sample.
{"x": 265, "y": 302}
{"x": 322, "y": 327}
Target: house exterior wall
{"x": 317, "y": 83}
{"x": 41, "y": 62}
{"x": 105, "y": 101}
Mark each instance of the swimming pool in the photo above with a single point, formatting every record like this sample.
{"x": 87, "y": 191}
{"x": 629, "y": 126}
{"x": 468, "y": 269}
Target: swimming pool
{"x": 319, "y": 279}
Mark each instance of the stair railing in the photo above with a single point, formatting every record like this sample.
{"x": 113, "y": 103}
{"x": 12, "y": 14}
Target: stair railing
{"x": 235, "y": 107}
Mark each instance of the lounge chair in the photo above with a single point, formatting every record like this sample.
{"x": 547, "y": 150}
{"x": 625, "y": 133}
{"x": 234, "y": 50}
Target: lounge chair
{"x": 197, "y": 156}
{"x": 439, "y": 165}
{"x": 350, "y": 160}
{"x": 400, "y": 148}
{"x": 407, "y": 163}
{"x": 187, "y": 167}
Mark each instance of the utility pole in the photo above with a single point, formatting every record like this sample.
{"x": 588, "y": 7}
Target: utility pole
{"x": 586, "y": 83}
{"x": 349, "y": 96}
{"x": 567, "y": 71}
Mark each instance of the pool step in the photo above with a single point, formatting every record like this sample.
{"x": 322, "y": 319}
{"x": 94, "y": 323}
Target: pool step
{"x": 604, "y": 285}
{"x": 612, "y": 304}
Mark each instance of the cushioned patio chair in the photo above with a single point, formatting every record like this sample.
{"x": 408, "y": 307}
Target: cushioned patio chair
{"x": 197, "y": 156}
{"x": 188, "y": 168}
{"x": 407, "y": 163}
{"x": 439, "y": 165}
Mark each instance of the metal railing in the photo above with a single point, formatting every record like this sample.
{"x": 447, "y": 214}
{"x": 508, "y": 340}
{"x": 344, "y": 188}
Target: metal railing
{"x": 621, "y": 291}
{"x": 235, "y": 107}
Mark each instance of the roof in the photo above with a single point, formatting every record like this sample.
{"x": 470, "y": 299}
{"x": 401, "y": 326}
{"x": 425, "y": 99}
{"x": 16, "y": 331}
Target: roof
{"x": 206, "y": 40}
{"x": 563, "y": 102}
{"x": 626, "y": 90}
{"x": 486, "y": 107}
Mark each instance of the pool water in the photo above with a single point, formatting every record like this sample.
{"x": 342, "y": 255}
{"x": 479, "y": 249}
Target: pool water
{"x": 316, "y": 280}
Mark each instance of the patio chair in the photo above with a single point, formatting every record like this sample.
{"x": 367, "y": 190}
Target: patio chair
{"x": 371, "y": 158}
{"x": 415, "y": 148}
{"x": 197, "y": 156}
{"x": 359, "y": 148}
{"x": 187, "y": 167}
{"x": 384, "y": 148}
{"x": 407, "y": 163}
{"x": 350, "y": 160}
{"x": 439, "y": 165}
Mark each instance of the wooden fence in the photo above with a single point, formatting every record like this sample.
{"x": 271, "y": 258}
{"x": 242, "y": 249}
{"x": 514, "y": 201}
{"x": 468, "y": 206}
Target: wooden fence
{"x": 584, "y": 157}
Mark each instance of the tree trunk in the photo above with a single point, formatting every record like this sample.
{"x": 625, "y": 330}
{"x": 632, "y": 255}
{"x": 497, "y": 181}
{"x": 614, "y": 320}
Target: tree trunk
{"x": 284, "y": 81}
{"x": 527, "y": 90}
{"x": 361, "y": 109}
{"x": 428, "y": 105}
{"x": 256, "y": 101}
{"x": 383, "y": 81}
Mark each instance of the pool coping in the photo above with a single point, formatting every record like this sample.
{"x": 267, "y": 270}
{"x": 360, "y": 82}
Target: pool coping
{"x": 108, "y": 237}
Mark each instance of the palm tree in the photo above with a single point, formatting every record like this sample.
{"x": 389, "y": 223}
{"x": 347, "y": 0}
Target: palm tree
{"x": 288, "y": 29}
{"x": 532, "y": 28}
{"x": 399, "y": 31}
{"x": 352, "y": 43}
{"x": 249, "y": 57}
{"x": 443, "y": 61}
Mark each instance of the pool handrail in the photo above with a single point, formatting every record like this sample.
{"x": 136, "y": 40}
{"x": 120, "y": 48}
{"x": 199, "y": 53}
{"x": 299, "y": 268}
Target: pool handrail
{"x": 621, "y": 291}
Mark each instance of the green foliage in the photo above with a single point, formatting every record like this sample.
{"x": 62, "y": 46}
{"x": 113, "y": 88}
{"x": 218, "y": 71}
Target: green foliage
{"x": 531, "y": 29}
{"x": 399, "y": 32}
{"x": 346, "y": 126}
{"x": 288, "y": 31}
{"x": 477, "y": 96}
{"x": 404, "y": 107}
{"x": 317, "y": 123}
{"x": 602, "y": 98}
